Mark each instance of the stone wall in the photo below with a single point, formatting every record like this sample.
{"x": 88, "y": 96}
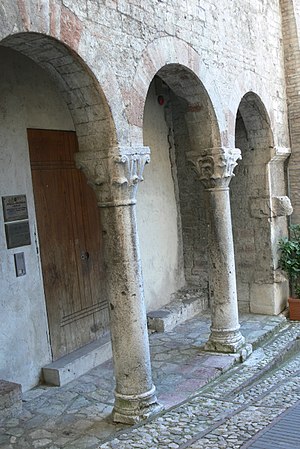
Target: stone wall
{"x": 291, "y": 22}
{"x": 193, "y": 203}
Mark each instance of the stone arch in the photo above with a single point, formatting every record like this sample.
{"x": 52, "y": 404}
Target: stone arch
{"x": 254, "y": 118}
{"x": 78, "y": 86}
{"x": 64, "y": 25}
{"x": 244, "y": 84}
{"x": 184, "y": 83}
{"x": 251, "y": 202}
{"x": 170, "y": 52}
{"x": 86, "y": 106}
{"x": 178, "y": 120}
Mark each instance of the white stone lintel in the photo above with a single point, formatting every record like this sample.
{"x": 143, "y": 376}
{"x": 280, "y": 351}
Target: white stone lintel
{"x": 280, "y": 154}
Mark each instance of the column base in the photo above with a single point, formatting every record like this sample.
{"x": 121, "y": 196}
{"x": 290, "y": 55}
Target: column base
{"x": 131, "y": 409}
{"x": 228, "y": 341}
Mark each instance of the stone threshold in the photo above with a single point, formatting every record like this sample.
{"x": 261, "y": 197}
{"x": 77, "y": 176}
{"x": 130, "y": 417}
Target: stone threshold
{"x": 78, "y": 362}
{"x": 187, "y": 303}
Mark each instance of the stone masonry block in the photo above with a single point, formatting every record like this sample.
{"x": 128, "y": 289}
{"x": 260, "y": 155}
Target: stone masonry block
{"x": 10, "y": 399}
{"x": 281, "y": 206}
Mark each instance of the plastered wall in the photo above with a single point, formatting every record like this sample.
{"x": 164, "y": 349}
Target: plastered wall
{"x": 28, "y": 99}
{"x": 157, "y": 212}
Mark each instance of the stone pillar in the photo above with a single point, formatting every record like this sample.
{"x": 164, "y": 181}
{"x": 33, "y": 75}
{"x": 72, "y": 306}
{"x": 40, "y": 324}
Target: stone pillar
{"x": 115, "y": 179}
{"x": 214, "y": 166}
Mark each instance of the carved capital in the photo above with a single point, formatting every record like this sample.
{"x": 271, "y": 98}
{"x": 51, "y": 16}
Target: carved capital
{"x": 127, "y": 170}
{"x": 215, "y": 166}
{"x": 114, "y": 178}
{"x": 128, "y": 167}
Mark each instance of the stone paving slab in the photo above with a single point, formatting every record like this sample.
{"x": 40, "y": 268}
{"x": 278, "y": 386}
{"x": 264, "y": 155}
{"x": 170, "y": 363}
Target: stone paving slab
{"x": 10, "y": 399}
{"x": 77, "y": 415}
{"x": 205, "y": 422}
{"x": 255, "y": 366}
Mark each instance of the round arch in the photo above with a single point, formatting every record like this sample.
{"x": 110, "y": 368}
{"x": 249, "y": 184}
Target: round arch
{"x": 162, "y": 57}
{"x": 200, "y": 117}
{"x": 78, "y": 86}
{"x": 246, "y": 83}
{"x": 250, "y": 200}
{"x": 178, "y": 120}
{"x": 71, "y": 222}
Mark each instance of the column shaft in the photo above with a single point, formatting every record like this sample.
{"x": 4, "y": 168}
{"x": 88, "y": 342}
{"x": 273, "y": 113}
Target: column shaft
{"x": 135, "y": 393}
{"x": 115, "y": 179}
{"x": 225, "y": 335}
{"x": 214, "y": 167}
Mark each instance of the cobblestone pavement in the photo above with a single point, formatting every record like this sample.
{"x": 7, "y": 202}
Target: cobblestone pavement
{"x": 224, "y": 413}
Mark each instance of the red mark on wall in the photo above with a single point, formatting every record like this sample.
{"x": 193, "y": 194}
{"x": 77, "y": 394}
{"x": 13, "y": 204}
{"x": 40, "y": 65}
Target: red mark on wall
{"x": 70, "y": 28}
{"x": 24, "y": 15}
{"x": 197, "y": 107}
{"x": 53, "y": 12}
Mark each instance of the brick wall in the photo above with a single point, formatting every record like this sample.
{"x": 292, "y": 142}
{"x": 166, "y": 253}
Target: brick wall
{"x": 290, "y": 22}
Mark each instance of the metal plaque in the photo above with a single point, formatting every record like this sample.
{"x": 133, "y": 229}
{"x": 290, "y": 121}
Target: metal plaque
{"x": 17, "y": 234}
{"x": 15, "y": 208}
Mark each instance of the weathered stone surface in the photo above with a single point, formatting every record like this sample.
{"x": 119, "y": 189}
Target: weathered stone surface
{"x": 135, "y": 397}
{"x": 187, "y": 304}
{"x": 10, "y": 399}
{"x": 215, "y": 169}
{"x": 281, "y": 206}
{"x": 78, "y": 414}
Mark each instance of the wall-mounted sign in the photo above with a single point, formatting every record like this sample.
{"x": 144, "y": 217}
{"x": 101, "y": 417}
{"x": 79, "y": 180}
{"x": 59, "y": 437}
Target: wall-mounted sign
{"x": 17, "y": 234}
{"x": 15, "y": 214}
{"x": 20, "y": 264}
{"x": 15, "y": 208}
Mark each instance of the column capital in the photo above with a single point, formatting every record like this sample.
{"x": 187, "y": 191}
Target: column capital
{"x": 114, "y": 177}
{"x": 215, "y": 166}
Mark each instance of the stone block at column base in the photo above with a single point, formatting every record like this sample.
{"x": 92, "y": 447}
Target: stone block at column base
{"x": 131, "y": 409}
{"x": 225, "y": 341}
{"x": 239, "y": 350}
{"x": 269, "y": 299}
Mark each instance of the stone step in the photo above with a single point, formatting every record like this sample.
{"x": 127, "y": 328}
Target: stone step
{"x": 272, "y": 352}
{"x": 187, "y": 304}
{"x": 280, "y": 322}
{"x": 78, "y": 362}
{"x": 10, "y": 399}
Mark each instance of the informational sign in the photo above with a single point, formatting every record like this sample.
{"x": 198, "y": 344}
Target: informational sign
{"x": 15, "y": 213}
{"x": 14, "y": 208}
{"x": 17, "y": 234}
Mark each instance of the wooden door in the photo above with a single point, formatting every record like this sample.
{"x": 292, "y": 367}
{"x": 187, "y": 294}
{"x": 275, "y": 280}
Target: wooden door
{"x": 69, "y": 232}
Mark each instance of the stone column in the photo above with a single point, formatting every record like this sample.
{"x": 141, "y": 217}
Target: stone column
{"x": 214, "y": 166}
{"x": 115, "y": 179}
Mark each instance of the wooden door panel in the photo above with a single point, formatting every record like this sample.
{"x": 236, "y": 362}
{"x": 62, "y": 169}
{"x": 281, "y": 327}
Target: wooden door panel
{"x": 93, "y": 241}
{"x": 69, "y": 227}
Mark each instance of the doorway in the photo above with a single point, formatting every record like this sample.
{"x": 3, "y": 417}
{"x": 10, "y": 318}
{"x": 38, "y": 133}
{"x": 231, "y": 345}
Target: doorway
{"x": 70, "y": 242}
